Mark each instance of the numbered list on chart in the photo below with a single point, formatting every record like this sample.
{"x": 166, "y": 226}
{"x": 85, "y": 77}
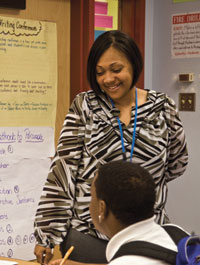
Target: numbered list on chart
{"x": 21, "y": 182}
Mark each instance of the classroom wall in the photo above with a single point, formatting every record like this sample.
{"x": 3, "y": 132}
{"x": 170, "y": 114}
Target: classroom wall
{"x": 55, "y": 11}
{"x": 161, "y": 73}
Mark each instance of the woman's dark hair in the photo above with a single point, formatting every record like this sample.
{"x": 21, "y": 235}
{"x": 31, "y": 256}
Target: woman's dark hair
{"x": 128, "y": 191}
{"x": 123, "y": 43}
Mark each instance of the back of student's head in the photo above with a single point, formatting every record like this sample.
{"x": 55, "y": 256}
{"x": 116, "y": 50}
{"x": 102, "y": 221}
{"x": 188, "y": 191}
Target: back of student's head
{"x": 128, "y": 191}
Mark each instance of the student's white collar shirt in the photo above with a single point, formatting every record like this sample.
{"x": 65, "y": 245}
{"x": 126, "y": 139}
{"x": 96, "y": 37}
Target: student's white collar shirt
{"x": 146, "y": 230}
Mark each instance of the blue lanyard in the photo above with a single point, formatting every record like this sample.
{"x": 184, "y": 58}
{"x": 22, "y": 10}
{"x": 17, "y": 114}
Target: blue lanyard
{"x": 134, "y": 130}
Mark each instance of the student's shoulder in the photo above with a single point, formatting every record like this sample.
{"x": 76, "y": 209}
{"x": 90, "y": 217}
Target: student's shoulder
{"x": 174, "y": 228}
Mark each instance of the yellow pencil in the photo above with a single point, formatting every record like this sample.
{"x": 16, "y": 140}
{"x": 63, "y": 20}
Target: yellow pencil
{"x": 69, "y": 251}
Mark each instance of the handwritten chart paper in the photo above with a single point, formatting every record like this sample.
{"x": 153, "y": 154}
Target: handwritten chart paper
{"x": 20, "y": 188}
{"x": 28, "y": 81}
{"x": 185, "y": 35}
{"x": 28, "y": 98}
{"x": 26, "y": 142}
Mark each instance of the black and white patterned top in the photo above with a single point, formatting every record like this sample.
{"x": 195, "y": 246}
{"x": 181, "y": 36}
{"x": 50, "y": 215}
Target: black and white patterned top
{"x": 90, "y": 136}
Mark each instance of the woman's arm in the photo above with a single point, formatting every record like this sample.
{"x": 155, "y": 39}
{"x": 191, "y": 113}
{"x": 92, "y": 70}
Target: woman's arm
{"x": 55, "y": 206}
{"x": 177, "y": 147}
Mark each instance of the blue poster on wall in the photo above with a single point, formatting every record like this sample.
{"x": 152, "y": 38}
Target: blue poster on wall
{"x": 97, "y": 33}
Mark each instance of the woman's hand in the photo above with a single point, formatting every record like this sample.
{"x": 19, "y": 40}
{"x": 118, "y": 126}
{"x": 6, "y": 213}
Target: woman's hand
{"x": 43, "y": 254}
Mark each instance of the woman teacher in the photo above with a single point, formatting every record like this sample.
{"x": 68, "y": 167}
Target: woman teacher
{"x": 114, "y": 120}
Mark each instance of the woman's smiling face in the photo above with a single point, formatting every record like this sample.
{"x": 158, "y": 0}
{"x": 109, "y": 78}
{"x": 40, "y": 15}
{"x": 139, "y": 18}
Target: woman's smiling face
{"x": 114, "y": 74}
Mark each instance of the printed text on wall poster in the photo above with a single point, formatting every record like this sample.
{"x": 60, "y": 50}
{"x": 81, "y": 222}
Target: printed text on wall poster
{"x": 185, "y": 37}
{"x": 183, "y": 1}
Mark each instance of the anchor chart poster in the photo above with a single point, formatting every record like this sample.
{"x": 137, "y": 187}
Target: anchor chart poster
{"x": 28, "y": 98}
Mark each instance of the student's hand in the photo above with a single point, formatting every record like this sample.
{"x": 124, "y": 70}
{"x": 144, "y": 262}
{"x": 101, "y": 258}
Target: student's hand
{"x": 55, "y": 262}
{"x": 43, "y": 254}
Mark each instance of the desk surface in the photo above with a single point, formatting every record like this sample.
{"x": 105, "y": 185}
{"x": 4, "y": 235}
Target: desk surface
{"x": 20, "y": 262}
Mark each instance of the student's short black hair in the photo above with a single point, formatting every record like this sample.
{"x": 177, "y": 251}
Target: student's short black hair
{"x": 128, "y": 191}
{"x": 123, "y": 43}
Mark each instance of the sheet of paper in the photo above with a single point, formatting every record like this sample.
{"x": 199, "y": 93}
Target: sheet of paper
{"x": 21, "y": 185}
{"x": 101, "y": 8}
{"x": 7, "y": 262}
{"x": 103, "y": 21}
{"x": 28, "y": 82}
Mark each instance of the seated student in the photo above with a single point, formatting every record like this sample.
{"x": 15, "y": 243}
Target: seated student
{"x": 122, "y": 207}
